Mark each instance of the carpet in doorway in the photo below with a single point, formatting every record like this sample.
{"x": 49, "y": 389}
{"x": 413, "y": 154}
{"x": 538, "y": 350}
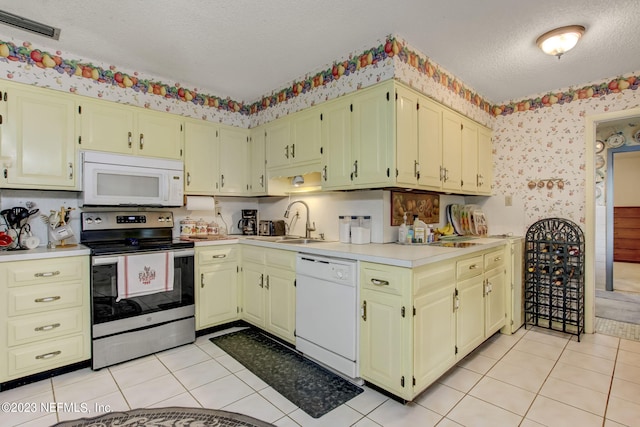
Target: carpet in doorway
{"x": 168, "y": 417}
{"x": 308, "y": 385}
{"x": 618, "y": 306}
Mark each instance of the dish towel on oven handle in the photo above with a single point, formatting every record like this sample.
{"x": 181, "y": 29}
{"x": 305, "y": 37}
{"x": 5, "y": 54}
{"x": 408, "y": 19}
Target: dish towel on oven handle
{"x": 144, "y": 274}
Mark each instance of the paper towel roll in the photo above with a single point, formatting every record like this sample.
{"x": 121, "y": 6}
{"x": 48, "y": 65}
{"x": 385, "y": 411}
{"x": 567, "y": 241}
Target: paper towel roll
{"x": 201, "y": 203}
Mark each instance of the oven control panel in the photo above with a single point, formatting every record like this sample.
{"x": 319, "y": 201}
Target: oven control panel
{"x": 116, "y": 220}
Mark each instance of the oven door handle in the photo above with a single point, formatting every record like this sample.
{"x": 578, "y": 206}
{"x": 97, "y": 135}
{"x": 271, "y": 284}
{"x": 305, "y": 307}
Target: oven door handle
{"x": 106, "y": 260}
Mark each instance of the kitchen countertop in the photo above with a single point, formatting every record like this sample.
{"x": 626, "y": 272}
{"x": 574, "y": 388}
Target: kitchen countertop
{"x": 42, "y": 252}
{"x": 383, "y": 253}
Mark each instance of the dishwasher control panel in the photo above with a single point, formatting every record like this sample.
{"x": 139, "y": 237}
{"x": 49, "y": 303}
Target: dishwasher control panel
{"x": 326, "y": 268}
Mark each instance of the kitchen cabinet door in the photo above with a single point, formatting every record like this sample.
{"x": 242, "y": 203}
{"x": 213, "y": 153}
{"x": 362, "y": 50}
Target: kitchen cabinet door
{"x": 305, "y": 137}
{"x": 278, "y": 142}
{"x": 39, "y": 138}
{"x": 381, "y": 342}
{"x": 373, "y": 137}
{"x": 451, "y": 151}
{"x": 485, "y": 161}
{"x": 280, "y": 296}
{"x": 434, "y": 332}
{"x": 253, "y": 296}
{"x": 430, "y": 144}
{"x": 217, "y": 295}
{"x": 234, "y": 160}
{"x": 201, "y": 172}
{"x": 407, "y": 136}
{"x": 336, "y": 144}
{"x": 470, "y": 315}
{"x": 469, "y": 180}
{"x": 159, "y": 135}
{"x": 257, "y": 171}
{"x": 106, "y": 126}
{"x": 495, "y": 300}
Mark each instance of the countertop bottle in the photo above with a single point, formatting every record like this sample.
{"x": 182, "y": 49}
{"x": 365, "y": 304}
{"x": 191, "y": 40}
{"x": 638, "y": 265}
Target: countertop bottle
{"x": 419, "y": 230}
{"x": 402, "y": 230}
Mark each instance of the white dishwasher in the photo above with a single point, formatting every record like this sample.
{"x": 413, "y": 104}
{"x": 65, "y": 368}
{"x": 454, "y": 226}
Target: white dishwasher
{"x": 327, "y": 311}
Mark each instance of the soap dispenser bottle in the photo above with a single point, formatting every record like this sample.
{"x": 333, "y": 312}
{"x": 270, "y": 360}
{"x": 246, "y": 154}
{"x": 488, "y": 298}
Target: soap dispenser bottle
{"x": 402, "y": 231}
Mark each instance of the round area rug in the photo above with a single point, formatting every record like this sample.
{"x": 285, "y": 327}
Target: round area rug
{"x": 167, "y": 417}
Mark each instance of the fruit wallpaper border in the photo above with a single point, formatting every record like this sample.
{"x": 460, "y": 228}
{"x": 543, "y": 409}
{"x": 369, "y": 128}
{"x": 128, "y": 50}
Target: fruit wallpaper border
{"x": 392, "y": 48}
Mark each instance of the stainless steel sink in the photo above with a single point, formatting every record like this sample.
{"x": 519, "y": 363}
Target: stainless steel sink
{"x": 300, "y": 241}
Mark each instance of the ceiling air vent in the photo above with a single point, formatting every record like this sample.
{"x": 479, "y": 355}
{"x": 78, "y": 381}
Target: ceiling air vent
{"x": 29, "y": 25}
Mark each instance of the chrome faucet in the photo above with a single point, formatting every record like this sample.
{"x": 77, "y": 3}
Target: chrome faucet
{"x": 308, "y": 227}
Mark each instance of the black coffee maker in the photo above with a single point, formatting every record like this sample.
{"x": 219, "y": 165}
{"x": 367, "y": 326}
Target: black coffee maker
{"x": 249, "y": 222}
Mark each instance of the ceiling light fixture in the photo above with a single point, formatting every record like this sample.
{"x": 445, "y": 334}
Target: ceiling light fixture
{"x": 558, "y": 41}
{"x": 297, "y": 181}
{"x": 29, "y": 25}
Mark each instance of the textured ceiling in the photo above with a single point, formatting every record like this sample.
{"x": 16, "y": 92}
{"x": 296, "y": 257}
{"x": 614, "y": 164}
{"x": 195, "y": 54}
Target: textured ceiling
{"x": 245, "y": 49}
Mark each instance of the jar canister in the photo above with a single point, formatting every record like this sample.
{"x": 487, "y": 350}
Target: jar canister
{"x": 187, "y": 227}
{"x": 201, "y": 228}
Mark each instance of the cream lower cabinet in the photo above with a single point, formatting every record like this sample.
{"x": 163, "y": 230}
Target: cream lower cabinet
{"x": 268, "y": 290}
{"x": 216, "y": 285}
{"x": 38, "y": 142}
{"x": 495, "y": 277}
{"x": 415, "y": 324}
{"x": 46, "y": 320}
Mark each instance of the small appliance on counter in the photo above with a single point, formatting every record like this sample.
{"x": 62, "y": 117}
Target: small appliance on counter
{"x": 249, "y": 222}
{"x": 272, "y": 228}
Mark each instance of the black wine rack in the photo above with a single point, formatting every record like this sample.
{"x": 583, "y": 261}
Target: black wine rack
{"x": 554, "y": 276}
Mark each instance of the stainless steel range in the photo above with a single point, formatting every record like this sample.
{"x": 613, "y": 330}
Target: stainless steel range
{"x": 142, "y": 290}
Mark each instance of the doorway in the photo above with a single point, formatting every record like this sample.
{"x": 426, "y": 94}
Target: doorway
{"x": 617, "y": 272}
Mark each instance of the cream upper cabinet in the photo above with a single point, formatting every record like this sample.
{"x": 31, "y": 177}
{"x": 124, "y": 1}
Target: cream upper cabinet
{"x": 358, "y": 144}
{"x": 337, "y": 150}
{"x": 159, "y": 134}
{"x": 469, "y": 181}
{"x": 477, "y": 158}
{"x": 234, "y": 160}
{"x": 257, "y": 171}
{"x": 305, "y": 137}
{"x": 38, "y": 139}
{"x": 419, "y": 140}
{"x": 216, "y": 286}
{"x": 106, "y": 126}
{"x": 201, "y": 170}
{"x": 112, "y": 127}
{"x": 278, "y": 142}
{"x": 373, "y": 134}
{"x": 485, "y": 161}
{"x": 451, "y": 151}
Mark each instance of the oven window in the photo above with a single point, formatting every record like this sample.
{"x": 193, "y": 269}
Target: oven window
{"x": 104, "y": 291}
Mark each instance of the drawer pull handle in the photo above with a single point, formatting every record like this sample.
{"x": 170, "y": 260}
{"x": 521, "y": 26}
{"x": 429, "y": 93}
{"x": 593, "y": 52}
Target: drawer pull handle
{"x": 47, "y": 299}
{"x": 498, "y": 258}
{"x": 364, "y": 310}
{"x": 473, "y": 266}
{"x": 220, "y": 256}
{"x": 379, "y": 282}
{"x": 47, "y": 274}
{"x": 49, "y": 355}
{"x": 47, "y": 327}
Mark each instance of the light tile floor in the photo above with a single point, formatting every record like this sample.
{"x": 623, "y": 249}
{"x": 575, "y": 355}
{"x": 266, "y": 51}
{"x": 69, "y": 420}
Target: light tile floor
{"x": 533, "y": 378}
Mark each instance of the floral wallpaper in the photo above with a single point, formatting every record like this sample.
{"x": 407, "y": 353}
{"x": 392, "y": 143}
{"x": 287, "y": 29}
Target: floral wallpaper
{"x": 549, "y": 143}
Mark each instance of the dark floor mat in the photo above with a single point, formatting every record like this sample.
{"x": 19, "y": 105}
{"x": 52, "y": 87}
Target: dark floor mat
{"x": 308, "y": 385}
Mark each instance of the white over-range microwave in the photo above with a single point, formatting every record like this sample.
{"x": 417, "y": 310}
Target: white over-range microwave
{"x": 123, "y": 180}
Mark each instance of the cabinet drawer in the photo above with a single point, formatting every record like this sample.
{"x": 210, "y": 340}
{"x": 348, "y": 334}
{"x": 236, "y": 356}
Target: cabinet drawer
{"x": 35, "y": 299}
{"x": 253, "y": 254}
{"x": 280, "y": 258}
{"x": 213, "y": 256}
{"x": 33, "y": 358}
{"x": 49, "y": 271}
{"x": 385, "y": 278}
{"x": 26, "y": 329}
{"x": 469, "y": 267}
{"x": 494, "y": 259}
{"x": 428, "y": 278}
